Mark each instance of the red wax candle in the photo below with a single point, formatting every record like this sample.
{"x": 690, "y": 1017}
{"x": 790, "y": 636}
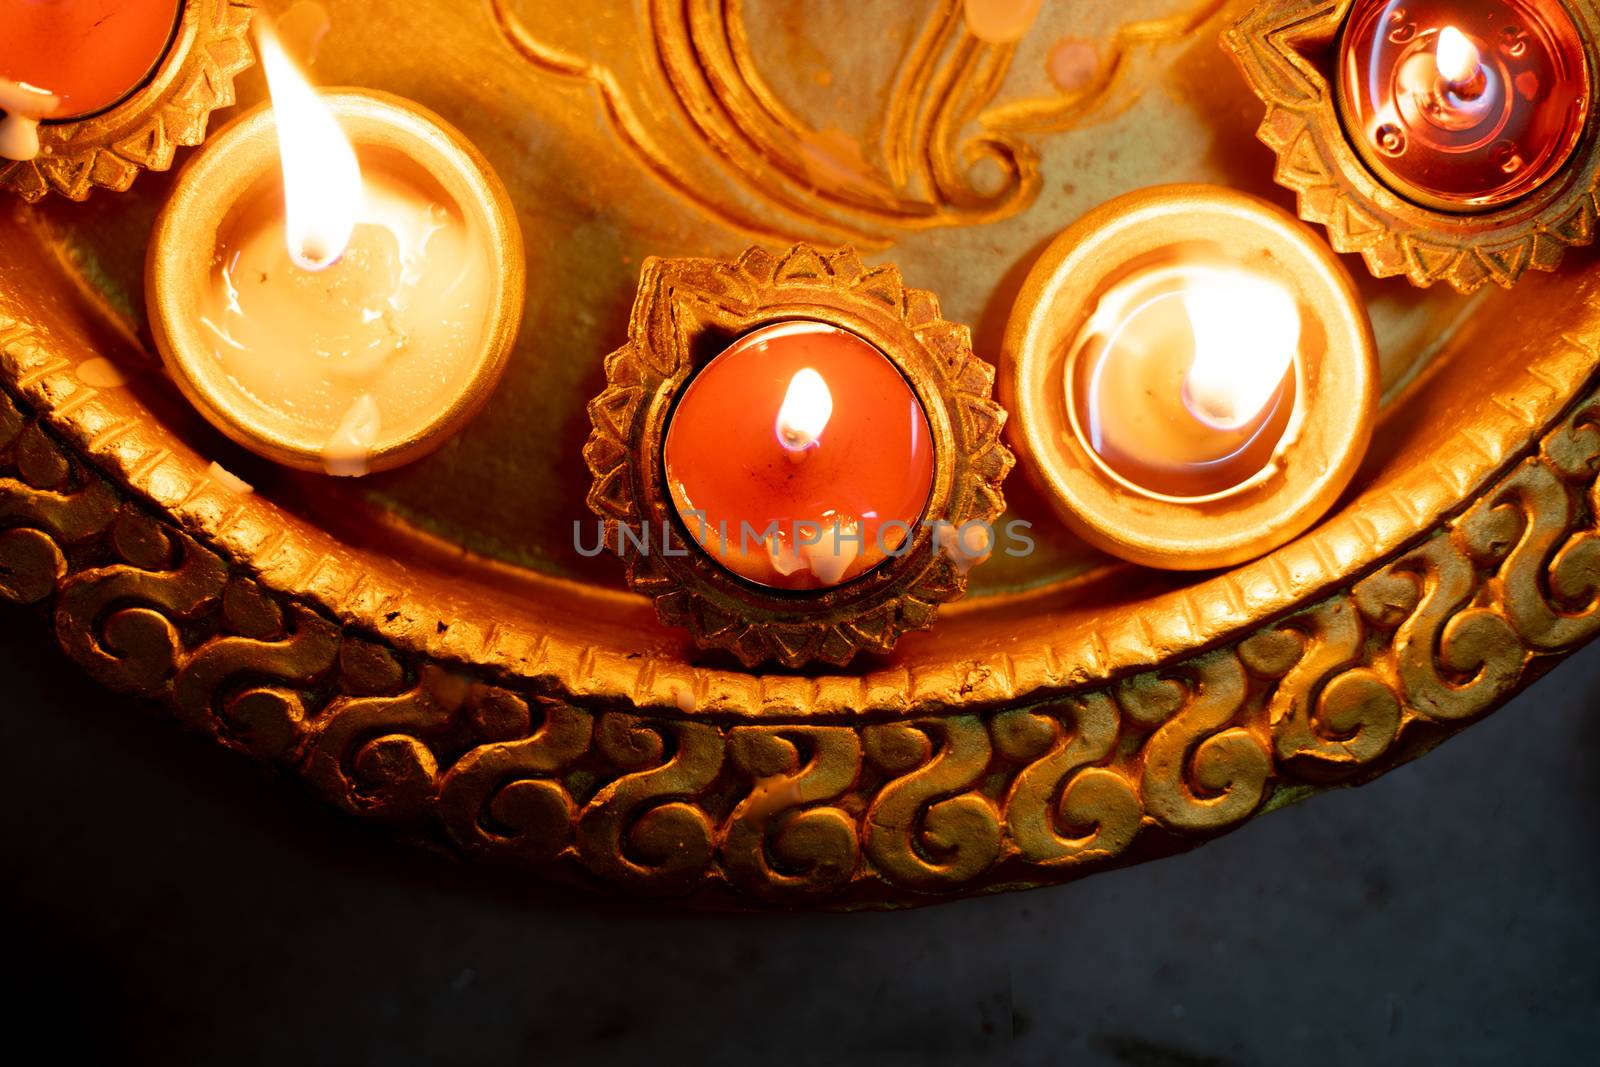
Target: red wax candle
{"x": 1463, "y": 105}
{"x": 799, "y": 457}
{"x": 89, "y": 54}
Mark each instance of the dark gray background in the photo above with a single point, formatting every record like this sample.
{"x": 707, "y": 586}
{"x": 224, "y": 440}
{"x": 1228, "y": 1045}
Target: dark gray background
{"x": 167, "y": 901}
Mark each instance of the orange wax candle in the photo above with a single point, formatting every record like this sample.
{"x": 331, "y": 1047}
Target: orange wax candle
{"x": 800, "y": 457}
{"x": 88, "y": 54}
{"x": 1182, "y": 382}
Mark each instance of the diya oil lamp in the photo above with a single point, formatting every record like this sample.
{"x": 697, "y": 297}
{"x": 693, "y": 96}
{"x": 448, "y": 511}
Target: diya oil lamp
{"x": 1192, "y": 375}
{"x": 797, "y": 456}
{"x": 94, "y": 91}
{"x": 337, "y": 279}
{"x": 1442, "y": 139}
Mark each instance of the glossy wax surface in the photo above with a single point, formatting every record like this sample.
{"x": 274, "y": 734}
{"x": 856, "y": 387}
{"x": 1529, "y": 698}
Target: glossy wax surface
{"x": 373, "y": 346}
{"x": 87, "y": 53}
{"x": 870, "y": 468}
{"x": 1127, "y": 386}
{"x": 1463, "y": 143}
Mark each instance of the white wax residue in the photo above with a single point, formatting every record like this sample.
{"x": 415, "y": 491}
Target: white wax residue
{"x": 348, "y": 450}
{"x": 966, "y": 546}
{"x": 832, "y": 556}
{"x": 24, "y": 105}
{"x": 828, "y": 559}
{"x": 228, "y": 480}
{"x": 683, "y": 696}
{"x": 785, "y": 560}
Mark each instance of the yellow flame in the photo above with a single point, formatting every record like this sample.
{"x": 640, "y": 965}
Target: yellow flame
{"x": 1246, "y": 330}
{"x": 321, "y": 179}
{"x": 1456, "y": 56}
{"x": 806, "y": 409}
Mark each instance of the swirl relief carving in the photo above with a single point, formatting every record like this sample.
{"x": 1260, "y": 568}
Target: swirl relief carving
{"x": 928, "y": 133}
{"x": 683, "y": 89}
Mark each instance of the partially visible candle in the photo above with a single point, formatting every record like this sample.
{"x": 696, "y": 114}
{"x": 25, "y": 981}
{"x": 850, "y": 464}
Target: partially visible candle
{"x": 799, "y": 457}
{"x": 87, "y": 53}
{"x": 1463, "y": 106}
{"x": 345, "y": 306}
{"x": 1182, "y": 382}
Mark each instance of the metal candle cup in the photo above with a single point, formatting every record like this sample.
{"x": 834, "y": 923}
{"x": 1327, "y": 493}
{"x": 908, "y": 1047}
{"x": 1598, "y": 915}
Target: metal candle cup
{"x": 88, "y": 54}
{"x": 239, "y": 167}
{"x": 1175, "y": 519}
{"x": 807, "y": 427}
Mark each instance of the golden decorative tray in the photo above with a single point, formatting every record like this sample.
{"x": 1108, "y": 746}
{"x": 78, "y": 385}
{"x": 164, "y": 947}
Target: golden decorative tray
{"x": 426, "y": 649}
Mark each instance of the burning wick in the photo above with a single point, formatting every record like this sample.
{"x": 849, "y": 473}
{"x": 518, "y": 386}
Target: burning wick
{"x": 322, "y": 191}
{"x": 1459, "y": 63}
{"x": 804, "y": 414}
{"x": 1246, "y": 330}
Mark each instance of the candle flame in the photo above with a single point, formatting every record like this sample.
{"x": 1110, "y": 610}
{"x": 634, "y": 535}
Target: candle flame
{"x": 1456, "y": 56}
{"x": 1246, "y": 330}
{"x": 806, "y": 409}
{"x": 322, "y": 191}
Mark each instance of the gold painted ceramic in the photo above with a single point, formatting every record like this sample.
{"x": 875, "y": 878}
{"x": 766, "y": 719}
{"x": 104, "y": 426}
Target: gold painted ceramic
{"x": 424, "y": 649}
{"x": 1337, "y": 389}
{"x": 688, "y": 306}
{"x": 142, "y": 131}
{"x": 181, "y": 266}
{"x": 1284, "y": 48}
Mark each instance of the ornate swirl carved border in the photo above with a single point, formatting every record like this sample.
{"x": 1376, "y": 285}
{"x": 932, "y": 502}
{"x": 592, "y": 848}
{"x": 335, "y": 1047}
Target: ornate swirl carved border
{"x": 738, "y": 812}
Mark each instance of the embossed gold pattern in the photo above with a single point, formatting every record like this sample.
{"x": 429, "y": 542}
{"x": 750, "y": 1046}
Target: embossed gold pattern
{"x": 520, "y": 709}
{"x": 945, "y": 79}
{"x": 802, "y": 812}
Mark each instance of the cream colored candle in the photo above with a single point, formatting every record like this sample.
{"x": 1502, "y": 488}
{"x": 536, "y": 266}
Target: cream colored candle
{"x": 372, "y": 344}
{"x": 345, "y": 304}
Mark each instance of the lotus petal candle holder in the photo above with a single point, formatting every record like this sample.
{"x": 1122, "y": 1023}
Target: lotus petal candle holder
{"x": 1465, "y": 176}
{"x": 112, "y": 131}
{"x": 775, "y": 594}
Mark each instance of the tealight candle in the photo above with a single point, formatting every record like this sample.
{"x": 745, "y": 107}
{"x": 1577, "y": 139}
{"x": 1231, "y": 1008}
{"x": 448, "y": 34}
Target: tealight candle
{"x": 799, "y": 457}
{"x": 796, "y": 454}
{"x": 359, "y": 281}
{"x": 1193, "y": 375}
{"x": 1463, "y": 106}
